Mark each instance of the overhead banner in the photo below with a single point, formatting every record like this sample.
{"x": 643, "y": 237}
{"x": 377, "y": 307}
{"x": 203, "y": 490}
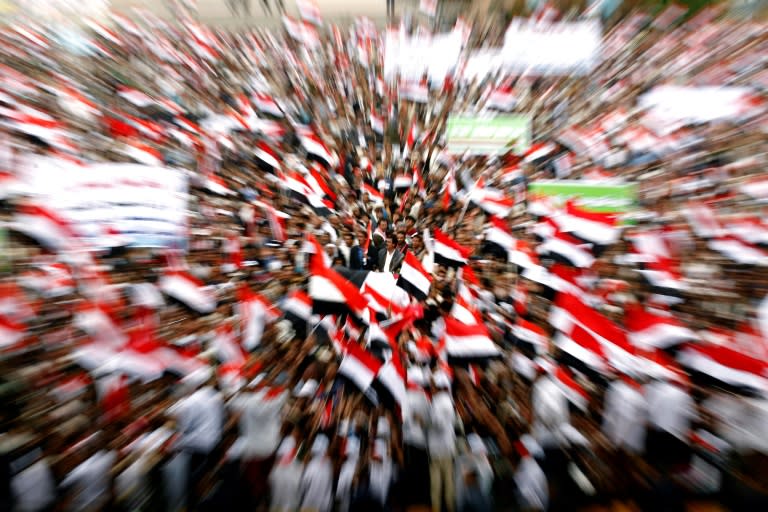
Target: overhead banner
{"x": 141, "y": 205}
{"x": 594, "y": 196}
{"x": 412, "y": 57}
{"x": 672, "y": 103}
{"x": 479, "y": 135}
{"x": 562, "y": 48}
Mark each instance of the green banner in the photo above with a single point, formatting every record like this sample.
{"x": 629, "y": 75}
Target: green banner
{"x": 592, "y": 195}
{"x": 488, "y": 136}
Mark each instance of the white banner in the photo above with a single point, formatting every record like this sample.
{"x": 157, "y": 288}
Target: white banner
{"x": 669, "y": 103}
{"x": 143, "y": 205}
{"x": 552, "y": 48}
{"x": 412, "y": 57}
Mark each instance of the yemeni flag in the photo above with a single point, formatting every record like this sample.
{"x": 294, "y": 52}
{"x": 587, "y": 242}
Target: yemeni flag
{"x": 317, "y": 150}
{"x": 255, "y": 313}
{"x": 531, "y": 336}
{"x": 735, "y": 369}
{"x": 448, "y": 252}
{"x": 464, "y": 341}
{"x": 188, "y": 290}
{"x": 572, "y": 390}
{"x": 45, "y": 226}
{"x": 410, "y": 140}
{"x": 300, "y": 189}
{"x": 597, "y": 228}
{"x": 332, "y": 294}
{"x": 649, "y": 330}
{"x": 374, "y": 196}
{"x": 269, "y": 161}
{"x": 499, "y": 238}
{"x": 392, "y": 377}
{"x": 501, "y": 98}
{"x": 298, "y": 309}
{"x": 413, "y": 278}
{"x": 567, "y": 249}
{"x": 583, "y": 346}
{"x": 569, "y": 312}
{"x": 267, "y": 104}
{"x": 358, "y": 365}
{"x": 491, "y": 201}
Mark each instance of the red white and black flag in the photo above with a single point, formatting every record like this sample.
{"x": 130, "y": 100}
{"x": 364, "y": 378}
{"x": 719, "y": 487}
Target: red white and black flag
{"x": 448, "y": 252}
{"x": 413, "y": 278}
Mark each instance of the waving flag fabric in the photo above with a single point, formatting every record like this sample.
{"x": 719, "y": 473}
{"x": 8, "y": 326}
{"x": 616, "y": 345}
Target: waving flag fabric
{"x": 188, "y": 290}
{"x": 358, "y": 365}
{"x": 648, "y": 330}
{"x": 464, "y": 341}
{"x": 447, "y": 252}
{"x": 413, "y": 278}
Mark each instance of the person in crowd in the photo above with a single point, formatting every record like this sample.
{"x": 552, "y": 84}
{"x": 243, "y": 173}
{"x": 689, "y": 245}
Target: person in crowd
{"x": 390, "y": 257}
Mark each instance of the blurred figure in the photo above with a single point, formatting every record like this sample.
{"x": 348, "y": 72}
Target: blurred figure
{"x": 260, "y": 422}
{"x": 200, "y": 419}
{"x": 441, "y": 441}
{"x": 317, "y": 480}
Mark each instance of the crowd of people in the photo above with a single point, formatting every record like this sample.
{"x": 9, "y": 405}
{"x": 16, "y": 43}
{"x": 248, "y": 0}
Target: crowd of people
{"x": 357, "y": 319}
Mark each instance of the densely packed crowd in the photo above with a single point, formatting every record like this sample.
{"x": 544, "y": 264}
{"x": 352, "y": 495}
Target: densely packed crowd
{"x": 356, "y": 319}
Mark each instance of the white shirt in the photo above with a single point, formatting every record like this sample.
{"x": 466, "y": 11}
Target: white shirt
{"x": 90, "y": 481}
{"x": 34, "y": 488}
{"x": 285, "y": 487}
{"x": 200, "y": 419}
{"x": 317, "y": 485}
{"x": 388, "y": 261}
{"x": 550, "y": 412}
{"x": 531, "y": 485}
{"x": 260, "y": 422}
{"x": 417, "y": 411}
{"x": 624, "y": 416}
{"x": 441, "y": 437}
{"x": 670, "y": 408}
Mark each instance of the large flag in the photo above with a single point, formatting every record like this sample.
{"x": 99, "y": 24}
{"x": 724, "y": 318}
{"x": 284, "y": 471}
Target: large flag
{"x": 413, "y": 278}
{"x": 649, "y": 330}
{"x": 499, "y": 236}
{"x": 491, "y": 201}
{"x": 332, "y": 294}
{"x": 188, "y": 290}
{"x": 45, "y": 226}
{"x": 726, "y": 365}
{"x": 316, "y": 148}
{"x": 464, "y": 341}
{"x": 358, "y": 365}
{"x": 563, "y": 247}
{"x": 569, "y": 312}
{"x": 448, "y": 252}
{"x": 597, "y": 228}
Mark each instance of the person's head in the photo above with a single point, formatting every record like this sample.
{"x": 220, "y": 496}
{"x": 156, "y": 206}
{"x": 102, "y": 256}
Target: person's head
{"x": 383, "y": 224}
{"x": 410, "y": 222}
{"x": 348, "y": 239}
{"x": 417, "y": 243}
{"x": 400, "y": 238}
{"x": 390, "y": 244}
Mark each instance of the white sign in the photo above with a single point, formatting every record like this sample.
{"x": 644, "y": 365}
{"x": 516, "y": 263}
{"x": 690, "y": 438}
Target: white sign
{"x": 412, "y": 57}
{"x": 552, "y": 48}
{"x": 142, "y": 204}
{"x": 670, "y": 103}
